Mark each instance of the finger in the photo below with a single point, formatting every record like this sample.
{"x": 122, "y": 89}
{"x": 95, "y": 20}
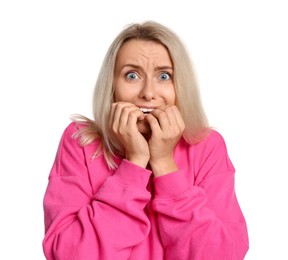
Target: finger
{"x": 117, "y": 117}
{"x": 130, "y": 115}
{"x": 111, "y": 114}
{"x": 162, "y": 117}
{"x": 153, "y": 123}
{"x": 135, "y": 114}
{"x": 174, "y": 116}
{"x": 179, "y": 119}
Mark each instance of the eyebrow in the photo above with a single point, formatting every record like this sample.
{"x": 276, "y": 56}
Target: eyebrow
{"x": 164, "y": 68}
{"x": 131, "y": 65}
{"x": 139, "y": 67}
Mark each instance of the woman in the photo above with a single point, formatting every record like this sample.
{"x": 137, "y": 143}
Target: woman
{"x": 147, "y": 178}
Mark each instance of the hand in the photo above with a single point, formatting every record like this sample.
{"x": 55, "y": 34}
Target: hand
{"x": 123, "y": 124}
{"x": 167, "y": 127}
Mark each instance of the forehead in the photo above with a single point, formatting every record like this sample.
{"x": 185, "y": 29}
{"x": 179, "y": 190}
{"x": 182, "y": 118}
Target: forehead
{"x": 143, "y": 49}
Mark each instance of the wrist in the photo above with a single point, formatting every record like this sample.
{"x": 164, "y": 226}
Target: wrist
{"x": 141, "y": 161}
{"x": 163, "y": 166}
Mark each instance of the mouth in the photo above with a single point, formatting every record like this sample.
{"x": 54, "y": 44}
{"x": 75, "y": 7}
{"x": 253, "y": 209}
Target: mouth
{"x": 146, "y": 110}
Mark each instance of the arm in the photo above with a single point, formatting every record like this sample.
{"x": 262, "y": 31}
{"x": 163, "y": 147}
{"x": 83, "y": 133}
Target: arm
{"x": 203, "y": 220}
{"x": 83, "y": 225}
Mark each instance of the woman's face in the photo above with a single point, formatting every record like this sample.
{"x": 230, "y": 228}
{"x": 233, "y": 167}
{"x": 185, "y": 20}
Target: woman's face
{"x": 144, "y": 76}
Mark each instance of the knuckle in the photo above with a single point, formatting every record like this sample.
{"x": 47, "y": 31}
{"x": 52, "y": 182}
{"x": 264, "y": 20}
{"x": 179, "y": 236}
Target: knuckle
{"x": 121, "y": 131}
{"x": 114, "y": 105}
{"x": 114, "y": 128}
{"x": 162, "y": 115}
{"x": 126, "y": 110}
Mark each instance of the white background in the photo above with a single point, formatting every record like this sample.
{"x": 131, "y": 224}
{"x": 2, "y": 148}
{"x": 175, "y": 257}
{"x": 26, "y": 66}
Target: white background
{"x": 50, "y": 53}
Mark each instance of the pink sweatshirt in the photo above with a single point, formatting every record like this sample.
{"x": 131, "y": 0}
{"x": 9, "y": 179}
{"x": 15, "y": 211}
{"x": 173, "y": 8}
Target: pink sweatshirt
{"x": 92, "y": 212}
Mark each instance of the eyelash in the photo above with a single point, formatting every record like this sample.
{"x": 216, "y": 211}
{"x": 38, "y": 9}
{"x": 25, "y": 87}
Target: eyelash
{"x": 136, "y": 76}
{"x": 131, "y": 72}
{"x": 166, "y": 73}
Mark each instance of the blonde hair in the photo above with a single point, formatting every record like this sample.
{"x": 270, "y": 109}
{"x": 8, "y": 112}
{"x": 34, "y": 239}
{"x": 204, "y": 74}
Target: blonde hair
{"x": 186, "y": 88}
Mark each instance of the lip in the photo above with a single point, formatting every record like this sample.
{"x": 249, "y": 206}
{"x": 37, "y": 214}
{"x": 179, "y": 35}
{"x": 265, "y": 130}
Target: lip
{"x": 146, "y": 106}
{"x": 146, "y": 110}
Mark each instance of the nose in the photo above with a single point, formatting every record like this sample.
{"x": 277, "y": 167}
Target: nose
{"x": 148, "y": 90}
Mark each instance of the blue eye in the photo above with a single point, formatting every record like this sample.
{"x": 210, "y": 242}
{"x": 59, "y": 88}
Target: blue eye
{"x": 132, "y": 76}
{"x": 165, "y": 76}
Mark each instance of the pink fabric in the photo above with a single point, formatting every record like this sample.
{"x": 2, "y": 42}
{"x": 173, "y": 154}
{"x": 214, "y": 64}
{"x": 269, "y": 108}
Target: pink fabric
{"x": 92, "y": 212}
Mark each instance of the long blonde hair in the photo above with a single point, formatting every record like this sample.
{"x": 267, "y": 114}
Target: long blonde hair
{"x": 187, "y": 93}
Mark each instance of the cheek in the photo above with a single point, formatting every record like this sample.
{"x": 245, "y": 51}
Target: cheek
{"x": 173, "y": 99}
{"x": 119, "y": 93}
{"x": 119, "y": 89}
{"x": 170, "y": 96}
{"x": 116, "y": 96}
{"x": 124, "y": 93}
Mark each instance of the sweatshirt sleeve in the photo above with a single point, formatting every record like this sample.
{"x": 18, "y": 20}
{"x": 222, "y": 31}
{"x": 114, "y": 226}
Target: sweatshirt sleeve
{"x": 203, "y": 220}
{"x": 83, "y": 225}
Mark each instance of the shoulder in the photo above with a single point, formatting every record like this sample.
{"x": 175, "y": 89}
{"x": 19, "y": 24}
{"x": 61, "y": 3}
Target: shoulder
{"x": 70, "y": 143}
{"x": 213, "y": 151}
{"x": 75, "y": 137}
{"x": 68, "y": 139}
{"x": 210, "y": 157}
{"x": 71, "y": 156}
{"x": 212, "y": 147}
{"x": 212, "y": 140}
{"x": 72, "y": 132}
{"x": 72, "y": 129}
